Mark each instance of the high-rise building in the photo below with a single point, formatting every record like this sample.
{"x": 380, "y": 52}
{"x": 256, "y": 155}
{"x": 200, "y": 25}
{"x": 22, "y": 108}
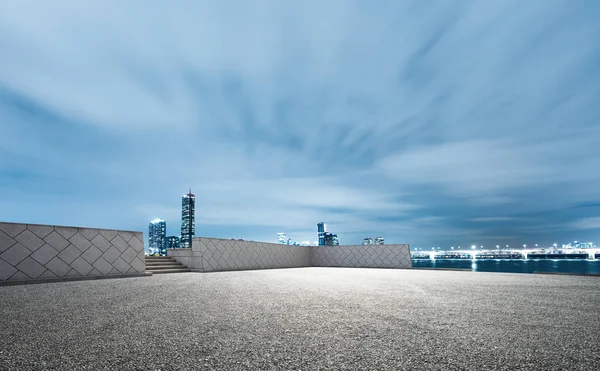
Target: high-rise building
{"x": 173, "y": 242}
{"x": 281, "y": 238}
{"x": 188, "y": 219}
{"x": 157, "y": 236}
{"x": 367, "y": 241}
{"x": 321, "y": 229}
{"x": 379, "y": 241}
{"x": 330, "y": 239}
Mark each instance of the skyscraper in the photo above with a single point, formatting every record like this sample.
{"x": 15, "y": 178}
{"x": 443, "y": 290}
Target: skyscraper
{"x": 188, "y": 219}
{"x": 157, "y": 236}
{"x": 173, "y": 242}
{"x": 321, "y": 229}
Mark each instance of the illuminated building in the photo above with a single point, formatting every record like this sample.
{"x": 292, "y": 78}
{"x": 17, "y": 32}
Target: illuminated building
{"x": 281, "y": 238}
{"x": 321, "y": 229}
{"x": 157, "y": 237}
{"x": 336, "y": 241}
{"x": 188, "y": 220}
{"x": 173, "y": 242}
{"x": 330, "y": 239}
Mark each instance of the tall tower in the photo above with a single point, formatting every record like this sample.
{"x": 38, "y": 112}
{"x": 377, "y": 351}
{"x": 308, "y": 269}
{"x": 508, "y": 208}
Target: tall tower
{"x": 188, "y": 219}
{"x": 321, "y": 229}
{"x": 157, "y": 236}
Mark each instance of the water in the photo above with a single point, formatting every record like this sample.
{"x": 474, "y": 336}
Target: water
{"x": 573, "y": 266}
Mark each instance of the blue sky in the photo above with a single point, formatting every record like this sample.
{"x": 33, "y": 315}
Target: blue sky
{"x": 429, "y": 122}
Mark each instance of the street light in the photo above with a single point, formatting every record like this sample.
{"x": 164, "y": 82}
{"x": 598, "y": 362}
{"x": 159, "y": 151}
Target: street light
{"x": 498, "y": 246}
{"x": 473, "y": 247}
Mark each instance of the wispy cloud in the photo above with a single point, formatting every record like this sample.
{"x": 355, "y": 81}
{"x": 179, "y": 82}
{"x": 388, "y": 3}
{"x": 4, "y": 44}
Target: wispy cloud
{"x": 491, "y": 219}
{"x": 587, "y": 223}
{"x": 423, "y": 122}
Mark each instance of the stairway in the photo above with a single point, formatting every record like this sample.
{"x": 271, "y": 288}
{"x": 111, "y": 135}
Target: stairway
{"x": 164, "y": 264}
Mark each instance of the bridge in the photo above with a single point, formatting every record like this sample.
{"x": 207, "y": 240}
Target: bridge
{"x": 474, "y": 253}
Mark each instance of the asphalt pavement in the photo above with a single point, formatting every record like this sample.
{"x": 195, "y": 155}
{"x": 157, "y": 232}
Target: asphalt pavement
{"x": 305, "y": 319}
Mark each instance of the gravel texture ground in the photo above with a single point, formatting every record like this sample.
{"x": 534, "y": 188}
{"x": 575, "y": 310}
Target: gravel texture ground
{"x": 308, "y": 319}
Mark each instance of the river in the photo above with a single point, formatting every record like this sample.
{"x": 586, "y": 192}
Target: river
{"x": 572, "y": 266}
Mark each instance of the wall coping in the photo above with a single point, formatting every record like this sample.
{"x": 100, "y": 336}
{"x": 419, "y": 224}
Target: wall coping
{"x": 72, "y": 226}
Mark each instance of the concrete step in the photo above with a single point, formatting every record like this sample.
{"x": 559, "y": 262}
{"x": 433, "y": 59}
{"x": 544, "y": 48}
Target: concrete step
{"x": 161, "y": 262}
{"x": 164, "y": 264}
{"x": 153, "y": 268}
{"x": 179, "y": 270}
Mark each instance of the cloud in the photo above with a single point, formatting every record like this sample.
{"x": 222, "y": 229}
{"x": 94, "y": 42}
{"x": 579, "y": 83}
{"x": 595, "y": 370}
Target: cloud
{"x": 408, "y": 119}
{"x": 491, "y": 219}
{"x": 587, "y": 223}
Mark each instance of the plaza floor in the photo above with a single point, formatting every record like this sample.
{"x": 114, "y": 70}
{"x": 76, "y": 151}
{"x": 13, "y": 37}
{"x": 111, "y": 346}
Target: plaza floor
{"x": 305, "y": 319}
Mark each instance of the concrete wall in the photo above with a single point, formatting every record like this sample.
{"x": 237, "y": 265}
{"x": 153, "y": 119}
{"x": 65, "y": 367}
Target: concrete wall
{"x": 215, "y": 254}
{"x": 364, "y": 256}
{"x": 185, "y": 256}
{"x": 44, "y": 252}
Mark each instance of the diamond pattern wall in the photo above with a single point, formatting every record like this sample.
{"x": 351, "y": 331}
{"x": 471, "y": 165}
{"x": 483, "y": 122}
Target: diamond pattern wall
{"x": 363, "y": 256}
{"x": 30, "y": 251}
{"x": 214, "y": 254}
{"x": 223, "y": 255}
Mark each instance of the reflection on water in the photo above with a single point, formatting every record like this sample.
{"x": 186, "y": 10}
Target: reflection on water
{"x": 575, "y": 266}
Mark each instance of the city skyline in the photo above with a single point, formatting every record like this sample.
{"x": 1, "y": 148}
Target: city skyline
{"x": 432, "y": 124}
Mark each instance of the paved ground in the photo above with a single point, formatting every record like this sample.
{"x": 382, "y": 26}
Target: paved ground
{"x": 311, "y": 318}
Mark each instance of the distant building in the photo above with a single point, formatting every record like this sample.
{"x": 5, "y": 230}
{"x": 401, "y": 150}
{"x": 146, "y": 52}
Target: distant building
{"x": 321, "y": 229}
{"x": 579, "y": 245}
{"x": 281, "y": 238}
{"x": 173, "y": 242}
{"x": 188, "y": 219}
{"x": 367, "y": 241}
{"x": 330, "y": 239}
{"x": 157, "y": 236}
{"x": 379, "y": 241}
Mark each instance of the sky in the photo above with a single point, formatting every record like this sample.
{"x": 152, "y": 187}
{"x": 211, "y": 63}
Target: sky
{"x": 433, "y": 123}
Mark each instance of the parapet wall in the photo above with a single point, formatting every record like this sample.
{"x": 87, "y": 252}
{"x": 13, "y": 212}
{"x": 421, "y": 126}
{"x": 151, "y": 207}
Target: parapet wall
{"x": 47, "y": 252}
{"x": 215, "y": 254}
{"x": 364, "y": 256}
